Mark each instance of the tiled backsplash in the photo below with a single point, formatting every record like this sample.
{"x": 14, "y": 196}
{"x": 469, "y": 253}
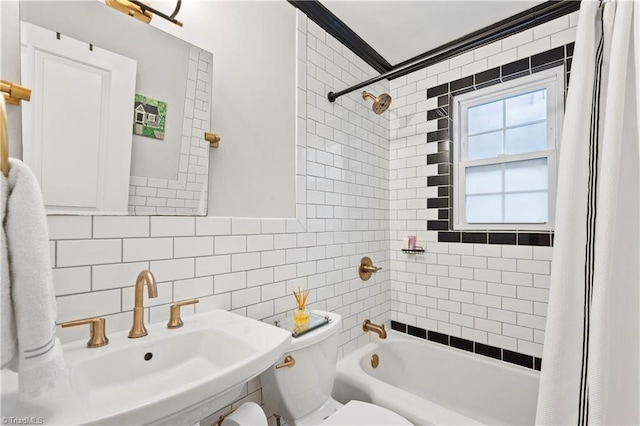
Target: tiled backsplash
{"x": 493, "y": 288}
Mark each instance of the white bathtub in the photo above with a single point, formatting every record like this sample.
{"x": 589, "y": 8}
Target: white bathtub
{"x": 433, "y": 384}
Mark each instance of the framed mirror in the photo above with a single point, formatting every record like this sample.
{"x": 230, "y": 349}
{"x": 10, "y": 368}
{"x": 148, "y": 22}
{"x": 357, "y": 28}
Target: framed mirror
{"x": 118, "y": 114}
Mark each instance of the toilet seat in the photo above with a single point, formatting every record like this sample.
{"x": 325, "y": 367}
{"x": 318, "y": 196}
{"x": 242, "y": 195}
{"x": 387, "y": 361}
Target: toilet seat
{"x": 356, "y": 413}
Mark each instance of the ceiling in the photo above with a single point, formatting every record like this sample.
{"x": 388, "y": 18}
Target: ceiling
{"x": 401, "y": 30}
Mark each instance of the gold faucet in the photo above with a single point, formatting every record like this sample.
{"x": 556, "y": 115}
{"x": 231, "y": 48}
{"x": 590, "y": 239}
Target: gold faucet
{"x": 369, "y": 326}
{"x": 145, "y": 276}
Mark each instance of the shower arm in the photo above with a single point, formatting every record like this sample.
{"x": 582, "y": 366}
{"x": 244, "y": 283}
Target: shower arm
{"x": 553, "y": 9}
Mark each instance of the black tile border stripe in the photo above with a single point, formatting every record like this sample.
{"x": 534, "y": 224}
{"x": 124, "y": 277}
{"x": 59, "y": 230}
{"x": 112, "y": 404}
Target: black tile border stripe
{"x": 557, "y": 56}
{"x": 500, "y": 354}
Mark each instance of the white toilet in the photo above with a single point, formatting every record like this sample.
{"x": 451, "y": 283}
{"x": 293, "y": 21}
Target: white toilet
{"x": 302, "y": 394}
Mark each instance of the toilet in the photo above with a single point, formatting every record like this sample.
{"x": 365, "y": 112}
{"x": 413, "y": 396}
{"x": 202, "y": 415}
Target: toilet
{"x": 301, "y": 394}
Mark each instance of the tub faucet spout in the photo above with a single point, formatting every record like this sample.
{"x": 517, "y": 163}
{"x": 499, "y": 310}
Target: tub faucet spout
{"x": 369, "y": 326}
{"x": 144, "y": 277}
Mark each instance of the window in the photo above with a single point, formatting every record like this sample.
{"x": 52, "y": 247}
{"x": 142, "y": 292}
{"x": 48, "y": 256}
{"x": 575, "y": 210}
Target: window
{"x": 505, "y": 139}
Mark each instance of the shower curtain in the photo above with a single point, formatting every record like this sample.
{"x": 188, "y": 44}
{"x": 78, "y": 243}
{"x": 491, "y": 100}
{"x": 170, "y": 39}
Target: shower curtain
{"x": 590, "y": 363}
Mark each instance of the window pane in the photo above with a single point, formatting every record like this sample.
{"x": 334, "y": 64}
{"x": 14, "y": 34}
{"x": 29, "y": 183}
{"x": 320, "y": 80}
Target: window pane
{"x": 526, "y": 108}
{"x": 484, "y": 118}
{"x": 530, "y": 207}
{"x": 486, "y": 145}
{"x": 529, "y": 175}
{"x": 484, "y": 208}
{"x": 483, "y": 179}
{"x": 529, "y": 138}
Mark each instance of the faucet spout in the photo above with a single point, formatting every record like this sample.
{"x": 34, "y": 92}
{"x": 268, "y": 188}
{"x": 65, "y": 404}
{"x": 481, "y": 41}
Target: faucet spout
{"x": 144, "y": 277}
{"x": 369, "y": 326}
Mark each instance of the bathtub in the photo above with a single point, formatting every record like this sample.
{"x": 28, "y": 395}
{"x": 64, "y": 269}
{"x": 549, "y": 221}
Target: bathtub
{"x": 433, "y": 384}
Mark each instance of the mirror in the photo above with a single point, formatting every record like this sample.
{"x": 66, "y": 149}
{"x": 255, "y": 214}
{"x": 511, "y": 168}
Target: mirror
{"x": 167, "y": 108}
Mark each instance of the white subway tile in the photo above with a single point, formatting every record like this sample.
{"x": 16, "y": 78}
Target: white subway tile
{"x": 551, "y": 27}
{"x": 116, "y": 276}
{"x": 245, "y": 297}
{"x": 501, "y": 264}
{"x": 120, "y": 226}
{"x": 259, "y": 242}
{"x": 245, "y": 261}
{"x": 518, "y": 39}
{"x": 502, "y": 315}
{"x": 175, "y": 269}
{"x": 192, "y": 288}
{"x": 71, "y": 280}
{"x": 229, "y": 282}
{"x": 487, "y": 50}
{"x": 488, "y": 325}
{"x": 530, "y": 348}
{"x": 88, "y": 252}
{"x": 218, "y": 301}
{"x": 230, "y": 244}
{"x": 172, "y": 226}
{"x": 532, "y": 321}
{"x": 502, "y": 58}
{"x": 564, "y": 37}
{"x": 505, "y": 342}
{"x": 209, "y": 225}
{"x": 69, "y": 227}
{"x": 285, "y": 241}
{"x": 534, "y": 266}
{"x": 534, "y": 294}
{"x": 501, "y": 290}
{"x": 517, "y": 252}
{"x": 524, "y": 306}
{"x": 86, "y": 305}
{"x": 147, "y": 249}
{"x": 273, "y": 258}
{"x": 193, "y": 246}
{"x": 213, "y": 265}
{"x": 537, "y": 46}
{"x": 517, "y": 278}
{"x": 240, "y": 226}
{"x": 518, "y": 332}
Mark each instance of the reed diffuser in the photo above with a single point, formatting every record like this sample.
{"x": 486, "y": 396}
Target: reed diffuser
{"x": 301, "y": 315}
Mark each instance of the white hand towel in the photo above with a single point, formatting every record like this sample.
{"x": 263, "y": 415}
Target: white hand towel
{"x": 29, "y": 343}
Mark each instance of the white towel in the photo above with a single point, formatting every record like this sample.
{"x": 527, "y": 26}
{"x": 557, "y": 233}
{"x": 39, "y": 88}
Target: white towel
{"x": 29, "y": 343}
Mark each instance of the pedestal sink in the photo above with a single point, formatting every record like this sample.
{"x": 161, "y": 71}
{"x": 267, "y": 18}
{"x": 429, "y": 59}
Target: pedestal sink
{"x": 168, "y": 377}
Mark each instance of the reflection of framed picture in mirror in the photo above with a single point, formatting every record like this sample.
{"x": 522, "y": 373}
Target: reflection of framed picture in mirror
{"x": 149, "y": 116}
{"x": 162, "y": 178}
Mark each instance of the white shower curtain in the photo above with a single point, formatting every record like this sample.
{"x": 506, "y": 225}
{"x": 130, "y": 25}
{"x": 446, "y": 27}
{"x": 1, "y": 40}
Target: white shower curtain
{"x": 591, "y": 356}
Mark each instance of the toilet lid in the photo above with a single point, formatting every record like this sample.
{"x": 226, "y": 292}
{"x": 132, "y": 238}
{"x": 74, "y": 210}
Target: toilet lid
{"x": 363, "y": 413}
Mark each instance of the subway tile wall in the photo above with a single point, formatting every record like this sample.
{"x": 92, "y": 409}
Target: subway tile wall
{"x": 487, "y": 293}
{"x": 251, "y": 265}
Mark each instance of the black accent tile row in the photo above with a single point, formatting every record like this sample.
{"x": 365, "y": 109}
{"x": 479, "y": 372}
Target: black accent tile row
{"x": 438, "y": 135}
{"x": 440, "y": 112}
{"x": 436, "y": 203}
{"x": 543, "y": 239}
{"x": 443, "y": 123}
{"x": 439, "y": 157}
{"x": 443, "y": 214}
{"x": 502, "y": 238}
{"x": 550, "y": 56}
{"x": 398, "y": 326}
{"x": 443, "y": 100}
{"x": 449, "y": 237}
{"x": 437, "y": 225}
{"x": 438, "y": 180}
{"x": 438, "y": 90}
{"x": 495, "y": 352}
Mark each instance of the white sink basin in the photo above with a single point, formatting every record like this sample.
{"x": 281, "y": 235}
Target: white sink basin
{"x": 170, "y": 376}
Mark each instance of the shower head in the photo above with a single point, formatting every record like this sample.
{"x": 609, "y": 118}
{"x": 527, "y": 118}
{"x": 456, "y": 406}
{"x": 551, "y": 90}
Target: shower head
{"x": 380, "y": 103}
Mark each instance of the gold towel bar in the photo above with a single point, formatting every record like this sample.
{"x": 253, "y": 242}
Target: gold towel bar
{"x": 14, "y": 93}
{"x": 212, "y": 138}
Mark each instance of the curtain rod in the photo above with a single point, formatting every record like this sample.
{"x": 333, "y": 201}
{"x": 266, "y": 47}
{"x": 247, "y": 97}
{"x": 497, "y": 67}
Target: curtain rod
{"x": 530, "y": 18}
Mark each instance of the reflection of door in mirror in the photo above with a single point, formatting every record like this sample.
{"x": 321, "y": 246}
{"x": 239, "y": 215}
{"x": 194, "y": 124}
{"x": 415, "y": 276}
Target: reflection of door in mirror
{"x": 169, "y": 158}
{"x": 92, "y": 124}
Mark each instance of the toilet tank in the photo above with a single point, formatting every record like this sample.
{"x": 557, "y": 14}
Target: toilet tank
{"x": 297, "y": 391}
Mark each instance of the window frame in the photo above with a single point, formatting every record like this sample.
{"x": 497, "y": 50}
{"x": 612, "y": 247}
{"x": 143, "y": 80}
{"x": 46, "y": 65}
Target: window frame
{"x": 553, "y": 80}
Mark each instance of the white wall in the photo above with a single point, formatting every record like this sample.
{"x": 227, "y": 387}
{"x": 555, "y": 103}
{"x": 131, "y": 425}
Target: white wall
{"x": 252, "y": 174}
{"x": 10, "y": 69}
